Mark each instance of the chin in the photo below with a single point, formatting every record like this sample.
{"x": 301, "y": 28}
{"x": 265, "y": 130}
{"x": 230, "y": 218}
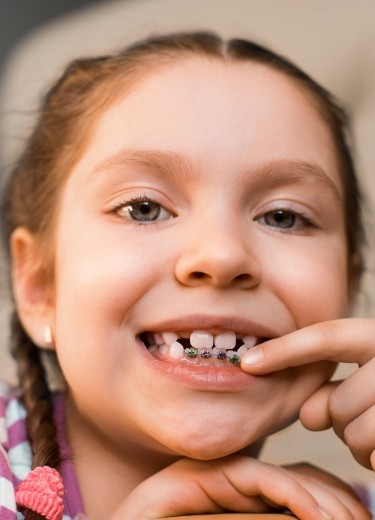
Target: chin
{"x": 209, "y": 447}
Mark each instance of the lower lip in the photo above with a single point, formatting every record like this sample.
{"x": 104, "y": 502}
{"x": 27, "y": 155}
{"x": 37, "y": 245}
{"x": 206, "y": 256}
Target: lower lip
{"x": 224, "y": 379}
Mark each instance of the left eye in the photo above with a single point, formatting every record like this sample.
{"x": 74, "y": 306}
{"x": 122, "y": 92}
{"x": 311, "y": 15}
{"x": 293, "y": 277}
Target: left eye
{"x": 280, "y": 219}
{"x": 284, "y": 219}
{"x": 144, "y": 211}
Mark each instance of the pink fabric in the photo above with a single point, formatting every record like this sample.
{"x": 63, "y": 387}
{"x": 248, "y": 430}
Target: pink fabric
{"x": 41, "y": 491}
{"x": 15, "y": 456}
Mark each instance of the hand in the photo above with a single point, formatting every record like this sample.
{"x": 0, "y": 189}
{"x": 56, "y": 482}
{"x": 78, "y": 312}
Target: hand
{"x": 238, "y": 484}
{"x": 349, "y": 406}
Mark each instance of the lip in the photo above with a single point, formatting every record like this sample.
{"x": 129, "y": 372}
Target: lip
{"x": 206, "y": 378}
{"x": 203, "y": 378}
{"x": 213, "y": 324}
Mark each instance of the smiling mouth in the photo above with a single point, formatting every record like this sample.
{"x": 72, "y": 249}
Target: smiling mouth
{"x": 199, "y": 347}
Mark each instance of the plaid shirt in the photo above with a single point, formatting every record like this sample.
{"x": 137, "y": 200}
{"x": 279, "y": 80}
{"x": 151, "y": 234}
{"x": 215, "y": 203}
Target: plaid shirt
{"x": 15, "y": 458}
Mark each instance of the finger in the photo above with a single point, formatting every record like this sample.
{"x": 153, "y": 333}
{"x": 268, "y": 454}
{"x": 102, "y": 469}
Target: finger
{"x": 352, "y": 397}
{"x": 348, "y": 340}
{"x": 334, "y": 501}
{"x": 276, "y": 485}
{"x": 314, "y": 413}
{"x": 359, "y": 437}
{"x": 328, "y": 501}
{"x": 372, "y": 460}
{"x": 239, "y": 484}
{"x": 339, "y": 488}
{"x": 339, "y": 403}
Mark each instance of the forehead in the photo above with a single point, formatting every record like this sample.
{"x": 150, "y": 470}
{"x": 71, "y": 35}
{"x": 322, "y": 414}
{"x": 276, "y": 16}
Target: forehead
{"x": 204, "y": 107}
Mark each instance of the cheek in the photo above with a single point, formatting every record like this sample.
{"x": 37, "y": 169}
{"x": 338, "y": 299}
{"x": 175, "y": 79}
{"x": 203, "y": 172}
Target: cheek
{"x": 111, "y": 272}
{"x": 313, "y": 285}
{"x": 99, "y": 281}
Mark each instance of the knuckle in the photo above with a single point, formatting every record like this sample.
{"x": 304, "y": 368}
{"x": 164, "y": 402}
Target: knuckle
{"x": 329, "y": 332}
{"x": 352, "y": 439}
{"x": 336, "y": 405}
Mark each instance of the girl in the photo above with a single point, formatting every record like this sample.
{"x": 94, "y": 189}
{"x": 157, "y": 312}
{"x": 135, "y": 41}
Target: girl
{"x": 177, "y": 205}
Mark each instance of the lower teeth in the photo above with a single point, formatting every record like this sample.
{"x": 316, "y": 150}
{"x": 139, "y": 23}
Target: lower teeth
{"x": 195, "y": 356}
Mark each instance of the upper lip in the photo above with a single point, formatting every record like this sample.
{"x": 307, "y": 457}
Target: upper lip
{"x": 213, "y": 324}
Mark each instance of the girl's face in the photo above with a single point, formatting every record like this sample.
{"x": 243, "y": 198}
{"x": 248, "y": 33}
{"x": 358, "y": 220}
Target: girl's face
{"x": 208, "y": 199}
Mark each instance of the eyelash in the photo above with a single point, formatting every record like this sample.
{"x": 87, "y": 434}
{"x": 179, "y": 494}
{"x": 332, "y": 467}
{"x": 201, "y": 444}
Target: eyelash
{"x": 287, "y": 210}
{"x": 134, "y": 200}
{"x": 307, "y": 222}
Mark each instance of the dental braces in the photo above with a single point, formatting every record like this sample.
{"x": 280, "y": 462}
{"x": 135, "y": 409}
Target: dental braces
{"x": 193, "y": 352}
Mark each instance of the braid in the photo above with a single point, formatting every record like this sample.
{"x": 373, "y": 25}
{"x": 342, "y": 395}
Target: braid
{"x": 37, "y": 399}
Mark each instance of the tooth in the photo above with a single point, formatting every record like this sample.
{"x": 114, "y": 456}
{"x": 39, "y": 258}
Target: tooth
{"x": 164, "y": 349}
{"x": 226, "y": 340}
{"x": 201, "y": 339}
{"x": 158, "y": 339}
{"x": 176, "y": 350}
{"x": 242, "y": 350}
{"x": 250, "y": 341}
{"x": 169, "y": 337}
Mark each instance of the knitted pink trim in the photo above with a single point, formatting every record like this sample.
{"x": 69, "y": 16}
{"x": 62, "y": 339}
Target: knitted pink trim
{"x": 42, "y": 491}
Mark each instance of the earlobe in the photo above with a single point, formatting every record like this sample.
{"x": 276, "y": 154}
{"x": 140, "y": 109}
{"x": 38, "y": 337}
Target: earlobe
{"x": 32, "y": 290}
{"x": 48, "y": 341}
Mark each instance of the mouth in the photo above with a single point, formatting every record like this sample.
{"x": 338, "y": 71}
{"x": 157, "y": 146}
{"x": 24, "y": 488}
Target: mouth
{"x": 199, "y": 347}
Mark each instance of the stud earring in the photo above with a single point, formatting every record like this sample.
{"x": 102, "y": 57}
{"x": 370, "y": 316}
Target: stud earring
{"x": 47, "y": 337}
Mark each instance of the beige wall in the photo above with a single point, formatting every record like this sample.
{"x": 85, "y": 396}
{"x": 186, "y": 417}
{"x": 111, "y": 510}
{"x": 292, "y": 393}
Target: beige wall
{"x": 332, "y": 39}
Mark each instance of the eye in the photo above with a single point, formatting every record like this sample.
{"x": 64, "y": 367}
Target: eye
{"x": 285, "y": 219}
{"x": 280, "y": 218}
{"x": 143, "y": 210}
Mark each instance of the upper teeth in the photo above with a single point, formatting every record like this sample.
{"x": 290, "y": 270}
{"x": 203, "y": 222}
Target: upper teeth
{"x": 204, "y": 348}
{"x": 202, "y": 339}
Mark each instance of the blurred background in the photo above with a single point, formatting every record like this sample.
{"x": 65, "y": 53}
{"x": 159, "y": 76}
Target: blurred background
{"x": 333, "y": 40}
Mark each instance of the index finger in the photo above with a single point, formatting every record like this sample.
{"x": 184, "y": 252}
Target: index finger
{"x": 349, "y": 340}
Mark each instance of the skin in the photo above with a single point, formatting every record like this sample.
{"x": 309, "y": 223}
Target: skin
{"x": 342, "y": 405}
{"x": 249, "y": 142}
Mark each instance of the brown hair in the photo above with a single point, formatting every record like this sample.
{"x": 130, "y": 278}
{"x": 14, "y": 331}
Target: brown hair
{"x": 69, "y": 109}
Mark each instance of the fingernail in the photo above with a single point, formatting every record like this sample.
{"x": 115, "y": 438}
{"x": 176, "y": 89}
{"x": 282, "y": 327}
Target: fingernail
{"x": 325, "y": 515}
{"x": 253, "y": 357}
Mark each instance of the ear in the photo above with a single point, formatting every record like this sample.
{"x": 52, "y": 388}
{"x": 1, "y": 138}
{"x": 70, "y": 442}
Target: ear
{"x": 32, "y": 291}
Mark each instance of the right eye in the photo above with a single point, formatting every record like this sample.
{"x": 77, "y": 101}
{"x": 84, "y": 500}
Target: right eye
{"x": 143, "y": 210}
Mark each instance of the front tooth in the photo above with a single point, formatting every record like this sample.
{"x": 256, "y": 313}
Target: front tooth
{"x": 169, "y": 337}
{"x": 201, "y": 339}
{"x": 176, "y": 350}
{"x": 250, "y": 341}
{"x": 226, "y": 340}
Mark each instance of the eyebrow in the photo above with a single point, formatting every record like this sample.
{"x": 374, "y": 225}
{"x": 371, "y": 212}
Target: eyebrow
{"x": 271, "y": 174}
{"x": 285, "y": 171}
{"x": 165, "y": 162}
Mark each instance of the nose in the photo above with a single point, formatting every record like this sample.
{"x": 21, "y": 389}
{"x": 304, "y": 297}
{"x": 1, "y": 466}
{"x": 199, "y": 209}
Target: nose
{"x": 219, "y": 256}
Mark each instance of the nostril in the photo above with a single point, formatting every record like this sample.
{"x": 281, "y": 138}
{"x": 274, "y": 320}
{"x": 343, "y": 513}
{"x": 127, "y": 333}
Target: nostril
{"x": 198, "y": 275}
{"x": 243, "y": 277}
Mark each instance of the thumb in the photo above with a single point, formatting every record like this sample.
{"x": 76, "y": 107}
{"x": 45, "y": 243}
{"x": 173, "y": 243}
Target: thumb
{"x": 314, "y": 413}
